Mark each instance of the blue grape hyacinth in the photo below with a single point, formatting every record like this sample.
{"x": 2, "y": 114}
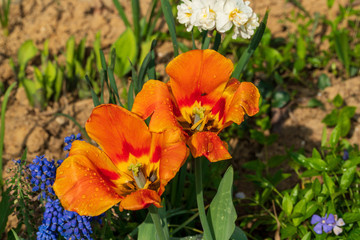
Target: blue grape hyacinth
{"x": 42, "y": 176}
{"x": 56, "y": 220}
{"x": 69, "y": 140}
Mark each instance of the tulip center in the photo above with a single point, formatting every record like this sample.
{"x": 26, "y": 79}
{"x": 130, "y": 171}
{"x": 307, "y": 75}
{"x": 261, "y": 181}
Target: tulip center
{"x": 200, "y": 119}
{"x": 138, "y": 174}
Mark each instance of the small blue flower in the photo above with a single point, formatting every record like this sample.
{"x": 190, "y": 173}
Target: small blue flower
{"x": 43, "y": 176}
{"x": 345, "y": 155}
{"x": 69, "y": 140}
{"x": 323, "y": 223}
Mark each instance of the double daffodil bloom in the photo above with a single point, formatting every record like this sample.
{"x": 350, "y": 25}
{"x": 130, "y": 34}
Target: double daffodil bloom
{"x": 200, "y": 99}
{"x": 131, "y": 168}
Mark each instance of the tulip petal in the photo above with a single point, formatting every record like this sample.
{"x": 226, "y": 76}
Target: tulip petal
{"x": 85, "y": 180}
{"x": 245, "y": 99}
{"x": 208, "y": 144}
{"x": 140, "y": 199}
{"x": 118, "y": 132}
{"x": 172, "y": 155}
{"x": 155, "y": 98}
{"x": 198, "y": 76}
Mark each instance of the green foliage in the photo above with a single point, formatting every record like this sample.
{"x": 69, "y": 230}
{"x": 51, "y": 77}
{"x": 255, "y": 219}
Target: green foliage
{"x": 2, "y": 129}
{"x": 4, "y": 16}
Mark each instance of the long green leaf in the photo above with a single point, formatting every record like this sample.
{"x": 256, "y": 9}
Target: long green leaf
{"x": 2, "y": 127}
{"x": 5, "y": 209}
{"x": 169, "y": 18}
{"x": 244, "y": 59}
{"x": 93, "y": 94}
{"x": 135, "y": 6}
{"x": 222, "y": 213}
{"x": 121, "y": 13}
{"x": 342, "y": 48}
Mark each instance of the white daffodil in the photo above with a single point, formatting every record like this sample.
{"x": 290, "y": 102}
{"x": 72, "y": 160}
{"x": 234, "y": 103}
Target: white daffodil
{"x": 232, "y": 12}
{"x": 186, "y": 14}
{"x": 248, "y": 29}
{"x": 206, "y": 16}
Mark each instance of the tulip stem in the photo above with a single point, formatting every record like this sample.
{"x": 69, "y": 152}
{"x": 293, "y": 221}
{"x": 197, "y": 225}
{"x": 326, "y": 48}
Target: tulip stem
{"x": 200, "y": 200}
{"x": 154, "y": 213}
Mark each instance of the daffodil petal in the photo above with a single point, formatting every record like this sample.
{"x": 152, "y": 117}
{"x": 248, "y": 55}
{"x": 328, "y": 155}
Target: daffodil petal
{"x": 85, "y": 181}
{"x": 208, "y": 144}
{"x": 118, "y": 132}
{"x": 140, "y": 199}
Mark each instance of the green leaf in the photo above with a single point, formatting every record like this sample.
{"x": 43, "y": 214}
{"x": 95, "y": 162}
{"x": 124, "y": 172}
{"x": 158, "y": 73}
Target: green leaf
{"x": 58, "y": 83}
{"x": 301, "y": 48}
{"x": 347, "y": 111}
{"x": 354, "y": 234}
{"x": 350, "y": 163}
{"x": 97, "y": 48}
{"x": 324, "y": 137}
{"x": 338, "y": 101}
{"x": 307, "y": 236}
{"x": 5, "y": 209}
{"x": 14, "y": 235}
{"x": 238, "y": 234}
{"x": 244, "y": 59}
{"x": 295, "y": 193}
{"x": 280, "y": 99}
{"x": 335, "y": 136}
{"x": 299, "y": 210}
{"x": 311, "y": 208}
{"x": 222, "y": 213}
{"x": 323, "y": 81}
{"x": 316, "y": 186}
{"x": 331, "y": 119}
{"x": 317, "y": 164}
{"x": 288, "y": 232}
{"x": 287, "y": 204}
{"x": 126, "y": 52}
{"x": 121, "y": 12}
{"x": 344, "y": 125}
{"x": 314, "y": 103}
{"x": 330, "y": 185}
{"x": 351, "y": 217}
{"x": 147, "y": 229}
{"x": 169, "y": 18}
{"x": 342, "y": 48}
{"x": 347, "y": 177}
{"x": 26, "y": 52}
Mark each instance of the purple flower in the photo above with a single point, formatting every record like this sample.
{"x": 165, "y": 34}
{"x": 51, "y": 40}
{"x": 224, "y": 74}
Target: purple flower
{"x": 325, "y": 224}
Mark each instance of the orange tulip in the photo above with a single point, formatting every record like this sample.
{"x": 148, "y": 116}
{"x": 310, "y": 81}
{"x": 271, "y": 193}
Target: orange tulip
{"x": 131, "y": 168}
{"x": 200, "y": 99}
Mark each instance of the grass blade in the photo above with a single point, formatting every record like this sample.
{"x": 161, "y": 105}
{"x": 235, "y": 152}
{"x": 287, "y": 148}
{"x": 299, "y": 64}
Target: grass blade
{"x": 169, "y": 18}
{"x": 206, "y": 40}
{"x": 121, "y": 13}
{"x": 217, "y": 41}
{"x": 82, "y": 130}
{"x": 93, "y": 94}
{"x": 244, "y": 59}
{"x": 2, "y": 128}
{"x": 136, "y": 19}
{"x": 144, "y": 67}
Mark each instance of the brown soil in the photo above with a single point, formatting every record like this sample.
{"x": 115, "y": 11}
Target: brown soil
{"x": 43, "y": 132}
